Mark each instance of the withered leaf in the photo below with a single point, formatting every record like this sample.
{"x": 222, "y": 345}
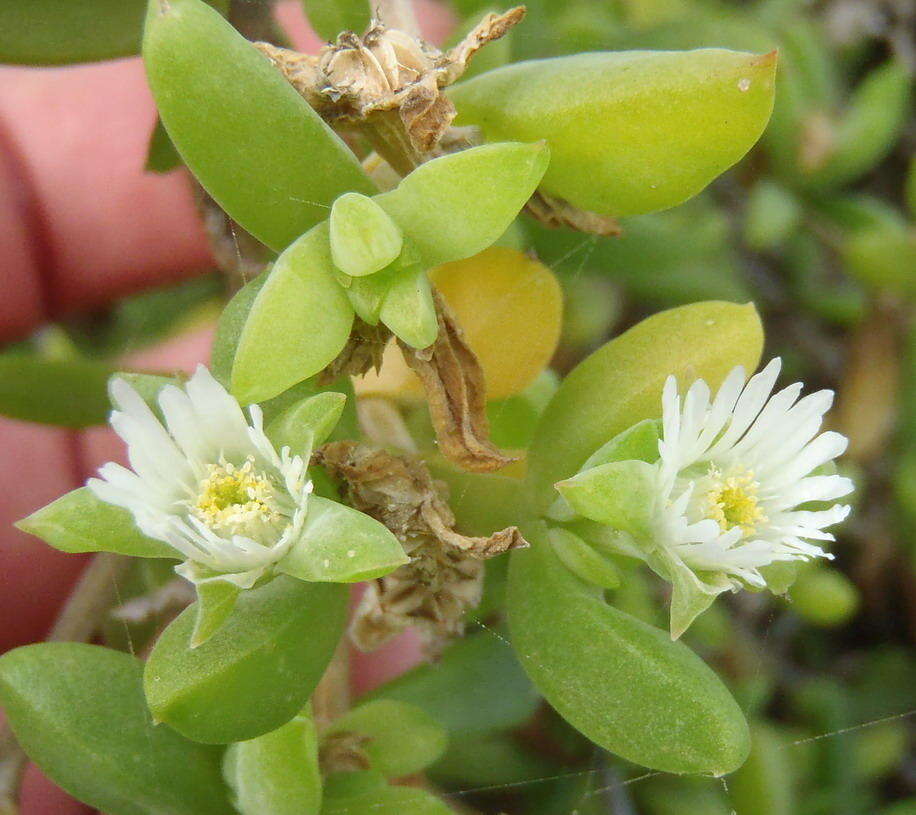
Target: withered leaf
{"x": 454, "y": 384}
{"x": 445, "y": 575}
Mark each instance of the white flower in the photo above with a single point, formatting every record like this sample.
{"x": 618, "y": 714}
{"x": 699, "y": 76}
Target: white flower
{"x": 208, "y": 483}
{"x": 732, "y": 474}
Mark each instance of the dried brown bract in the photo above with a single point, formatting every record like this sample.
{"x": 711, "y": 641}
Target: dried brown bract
{"x": 343, "y": 752}
{"x": 388, "y": 72}
{"x": 454, "y": 384}
{"x": 556, "y": 212}
{"x": 362, "y": 353}
{"x": 444, "y": 578}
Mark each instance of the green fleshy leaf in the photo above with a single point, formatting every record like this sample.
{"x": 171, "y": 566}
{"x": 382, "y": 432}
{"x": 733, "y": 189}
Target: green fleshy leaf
{"x": 387, "y": 801}
{"x": 215, "y": 601}
{"x": 161, "y": 155}
{"x": 403, "y": 738}
{"x": 408, "y": 308}
{"x": 620, "y": 494}
{"x": 621, "y": 383}
{"x": 348, "y": 784}
{"x": 583, "y": 561}
{"x": 59, "y": 32}
{"x": 252, "y": 141}
{"x": 364, "y": 239}
{"x": 476, "y": 687}
{"x": 366, "y": 294}
{"x": 330, "y": 19}
{"x": 341, "y": 545}
{"x": 230, "y": 326}
{"x": 308, "y": 423}
{"x": 65, "y": 392}
{"x": 662, "y": 125}
{"x": 256, "y": 672}
{"x": 277, "y": 773}
{"x": 457, "y": 205}
{"x": 298, "y": 323}
{"x": 629, "y": 688}
{"x": 81, "y": 522}
{"x": 79, "y": 712}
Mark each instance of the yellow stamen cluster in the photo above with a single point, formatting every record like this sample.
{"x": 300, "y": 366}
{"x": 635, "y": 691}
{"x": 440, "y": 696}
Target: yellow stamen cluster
{"x": 232, "y": 499}
{"x": 733, "y": 502}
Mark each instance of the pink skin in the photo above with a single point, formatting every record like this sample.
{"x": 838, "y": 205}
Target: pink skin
{"x": 80, "y": 225}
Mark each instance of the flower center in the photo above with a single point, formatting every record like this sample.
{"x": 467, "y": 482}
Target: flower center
{"x": 733, "y": 502}
{"x": 236, "y": 500}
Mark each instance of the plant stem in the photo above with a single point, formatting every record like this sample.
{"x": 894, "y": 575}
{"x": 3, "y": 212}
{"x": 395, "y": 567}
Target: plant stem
{"x": 396, "y": 14}
{"x": 79, "y": 620}
{"x": 331, "y": 698}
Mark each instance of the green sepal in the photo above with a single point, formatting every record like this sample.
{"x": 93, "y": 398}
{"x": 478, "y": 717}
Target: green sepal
{"x": 639, "y": 442}
{"x": 457, "y": 205}
{"x": 79, "y": 713}
{"x": 364, "y": 238}
{"x": 299, "y": 321}
{"x": 691, "y": 595}
{"x": 780, "y": 576}
{"x": 257, "y": 147}
{"x": 340, "y": 544}
{"x": 81, "y": 522}
{"x": 215, "y": 601}
{"x": 277, "y": 773}
{"x": 582, "y": 560}
{"x": 307, "y": 423}
{"x": 366, "y": 294}
{"x": 403, "y": 738}
{"x": 620, "y": 494}
{"x": 256, "y": 672}
{"x": 408, "y": 308}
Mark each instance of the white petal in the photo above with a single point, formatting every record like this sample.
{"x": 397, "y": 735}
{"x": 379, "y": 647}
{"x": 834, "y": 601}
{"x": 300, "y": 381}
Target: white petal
{"x": 749, "y": 404}
{"x": 824, "y": 448}
{"x": 220, "y": 414}
{"x": 814, "y": 488}
{"x": 185, "y": 426}
{"x": 722, "y": 407}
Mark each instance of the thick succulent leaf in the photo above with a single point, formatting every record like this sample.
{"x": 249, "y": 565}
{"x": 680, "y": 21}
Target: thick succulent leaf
{"x": 620, "y": 494}
{"x": 622, "y": 683}
{"x": 340, "y": 544}
{"x": 621, "y": 383}
{"x": 256, "y": 672}
{"x": 161, "y": 155}
{"x": 457, "y": 205}
{"x": 476, "y": 687}
{"x": 277, "y": 773}
{"x": 81, "y": 522}
{"x": 215, "y": 601}
{"x": 230, "y": 326}
{"x": 331, "y": 18}
{"x": 408, "y": 308}
{"x": 364, "y": 239}
{"x": 404, "y": 739}
{"x": 582, "y": 560}
{"x": 66, "y": 392}
{"x": 57, "y": 32}
{"x": 307, "y": 423}
{"x": 299, "y": 321}
{"x": 387, "y": 801}
{"x": 252, "y": 141}
{"x": 79, "y": 712}
{"x": 871, "y": 125}
{"x": 629, "y": 132}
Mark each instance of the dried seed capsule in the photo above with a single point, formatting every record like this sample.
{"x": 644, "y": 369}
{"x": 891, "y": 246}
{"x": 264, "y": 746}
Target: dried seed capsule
{"x": 629, "y": 132}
